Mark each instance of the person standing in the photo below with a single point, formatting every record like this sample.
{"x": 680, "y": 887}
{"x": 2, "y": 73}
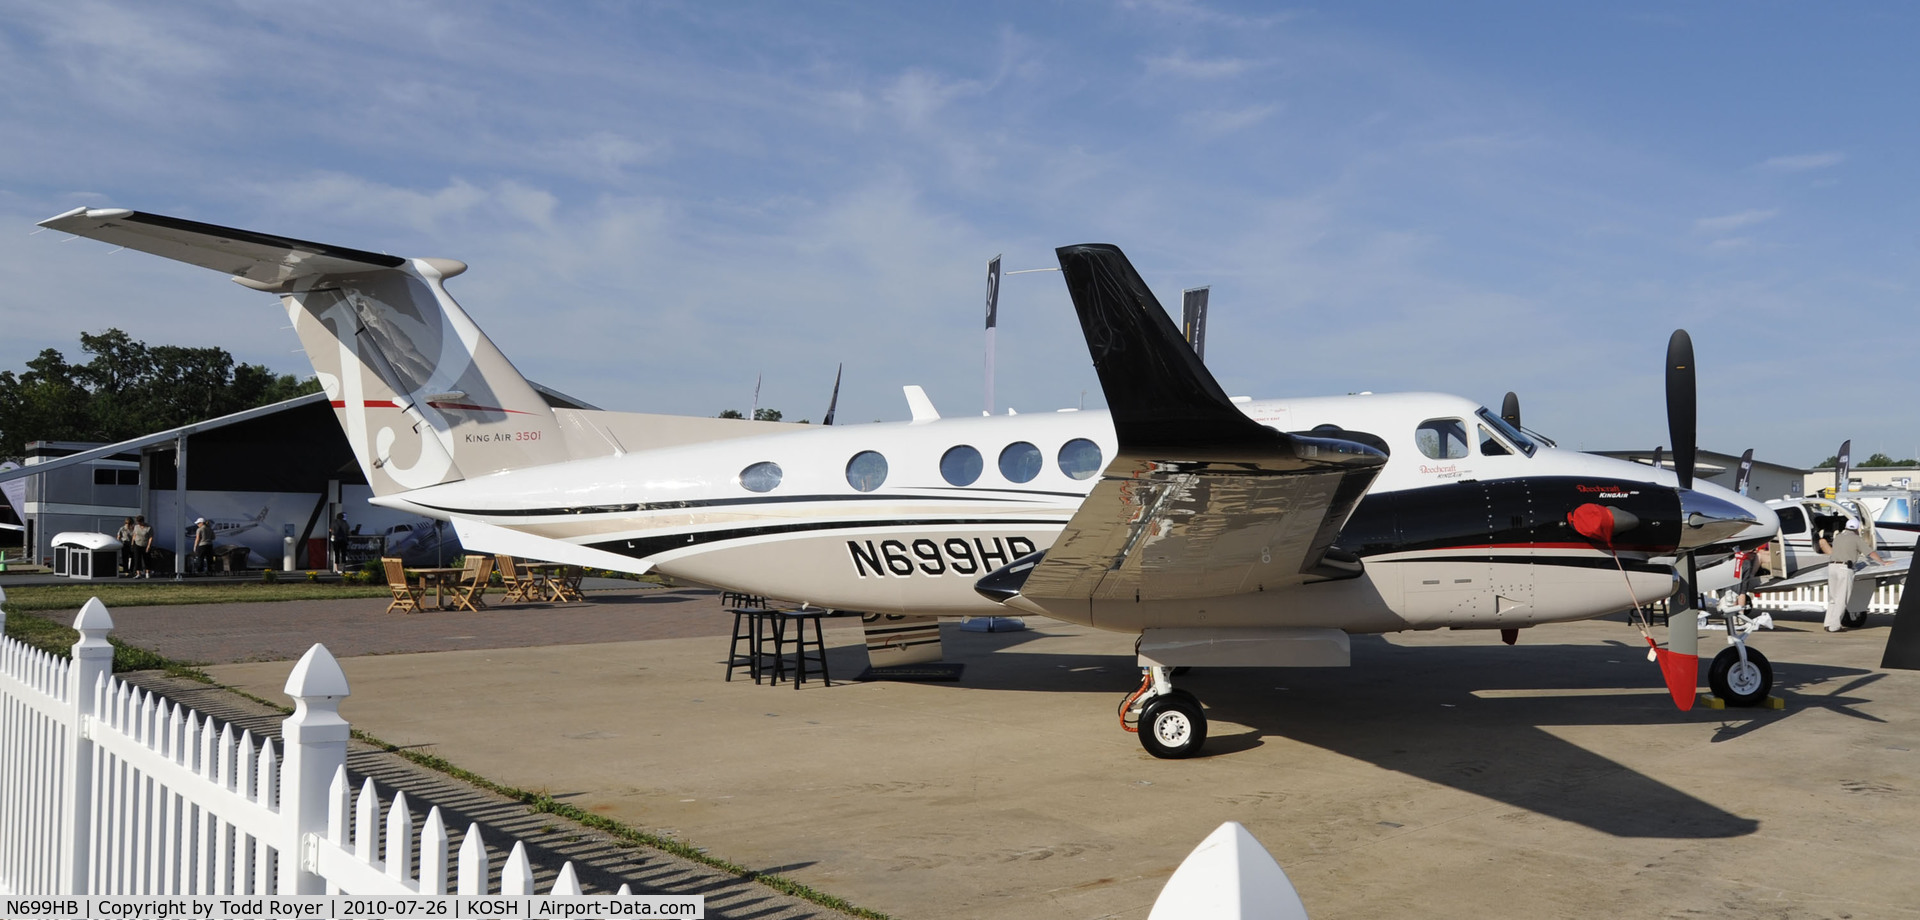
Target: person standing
{"x": 1849, "y": 548}
{"x": 142, "y": 547}
{"x": 125, "y": 536}
{"x": 203, "y": 545}
{"x": 338, "y": 537}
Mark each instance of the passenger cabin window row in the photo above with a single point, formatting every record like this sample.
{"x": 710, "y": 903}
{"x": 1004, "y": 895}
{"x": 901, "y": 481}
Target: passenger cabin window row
{"x": 961, "y": 465}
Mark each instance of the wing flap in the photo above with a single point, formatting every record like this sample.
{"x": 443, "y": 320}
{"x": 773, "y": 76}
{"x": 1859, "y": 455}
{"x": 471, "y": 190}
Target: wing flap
{"x": 263, "y": 259}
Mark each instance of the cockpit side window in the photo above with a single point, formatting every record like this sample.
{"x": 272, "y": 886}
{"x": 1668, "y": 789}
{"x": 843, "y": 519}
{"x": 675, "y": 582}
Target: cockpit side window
{"x": 1442, "y": 438}
{"x": 1490, "y": 446}
{"x": 1513, "y": 435}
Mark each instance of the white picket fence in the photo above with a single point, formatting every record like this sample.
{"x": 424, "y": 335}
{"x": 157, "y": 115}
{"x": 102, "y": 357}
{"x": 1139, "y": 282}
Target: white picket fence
{"x": 108, "y": 789}
{"x": 1886, "y": 598}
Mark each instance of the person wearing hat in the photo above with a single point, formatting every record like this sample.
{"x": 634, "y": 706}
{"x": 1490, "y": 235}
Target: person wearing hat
{"x": 1849, "y": 549}
{"x": 203, "y": 545}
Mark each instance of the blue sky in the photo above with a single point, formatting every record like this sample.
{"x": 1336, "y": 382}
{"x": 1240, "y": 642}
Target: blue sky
{"x": 663, "y": 201}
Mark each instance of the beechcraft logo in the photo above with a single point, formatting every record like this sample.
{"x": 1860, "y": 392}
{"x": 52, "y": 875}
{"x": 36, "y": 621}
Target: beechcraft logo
{"x": 1614, "y": 490}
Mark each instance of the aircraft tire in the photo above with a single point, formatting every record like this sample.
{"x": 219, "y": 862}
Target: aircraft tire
{"x": 1740, "y": 684}
{"x": 1172, "y": 726}
{"x": 1853, "y": 620}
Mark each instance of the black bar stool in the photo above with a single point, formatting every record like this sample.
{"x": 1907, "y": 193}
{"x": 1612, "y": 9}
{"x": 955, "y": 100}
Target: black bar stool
{"x": 804, "y": 661}
{"x": 749, "y": 626}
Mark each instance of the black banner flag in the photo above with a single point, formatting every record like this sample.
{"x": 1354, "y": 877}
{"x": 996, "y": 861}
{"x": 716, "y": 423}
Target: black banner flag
{"x": 1193, "y": 320}
{"x": 993, "y": 292}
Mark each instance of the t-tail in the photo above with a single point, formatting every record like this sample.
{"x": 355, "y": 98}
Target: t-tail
{"x": 423, "y": 395}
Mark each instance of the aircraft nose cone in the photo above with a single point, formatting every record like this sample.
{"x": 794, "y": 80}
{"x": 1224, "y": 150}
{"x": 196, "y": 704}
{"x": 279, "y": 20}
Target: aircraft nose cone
{"x": 1707, "y": 519}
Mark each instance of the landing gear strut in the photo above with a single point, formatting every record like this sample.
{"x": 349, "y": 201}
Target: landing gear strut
{"x": 1739, "y": 675}
{"x": 1169, "y": 721}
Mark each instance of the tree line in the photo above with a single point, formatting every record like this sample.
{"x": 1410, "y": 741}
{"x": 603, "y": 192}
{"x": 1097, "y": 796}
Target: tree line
{"x": 1876, "y": 460}
{"x": 129, "y": 388}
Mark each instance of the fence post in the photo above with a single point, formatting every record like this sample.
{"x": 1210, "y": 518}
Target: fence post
{"x": 92, "y": 661}
{"x": 315, "y": 738}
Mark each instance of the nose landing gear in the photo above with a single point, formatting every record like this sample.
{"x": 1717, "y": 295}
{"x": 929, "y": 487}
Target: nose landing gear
{"x": 1169, "y": 721}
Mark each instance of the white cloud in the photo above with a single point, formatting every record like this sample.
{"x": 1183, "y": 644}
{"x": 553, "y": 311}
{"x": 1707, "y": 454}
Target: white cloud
{"x": 1730, "y": 222}
{"x": 1803, "y": 162}
{"x": 1217, "y": 122}
{"x": 1179, "y": 64}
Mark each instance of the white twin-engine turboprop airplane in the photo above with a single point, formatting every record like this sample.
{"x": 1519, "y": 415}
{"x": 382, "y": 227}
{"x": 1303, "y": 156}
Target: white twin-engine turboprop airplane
{"x": 1258, "y": 534}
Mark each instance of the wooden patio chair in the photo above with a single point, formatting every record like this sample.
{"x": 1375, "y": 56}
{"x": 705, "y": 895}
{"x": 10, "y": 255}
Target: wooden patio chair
{"x": 520, "y": 585}
{"x": 469, "y": 594}
{"x": 406, "y": 596}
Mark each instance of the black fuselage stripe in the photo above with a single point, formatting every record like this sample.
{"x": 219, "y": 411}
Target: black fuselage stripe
{"x": 730, "y": 502}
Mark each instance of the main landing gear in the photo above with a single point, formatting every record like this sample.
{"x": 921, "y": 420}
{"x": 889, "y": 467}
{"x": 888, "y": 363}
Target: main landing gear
{"x": 1168, "y": 720}
{"x": 1739, "y": 675}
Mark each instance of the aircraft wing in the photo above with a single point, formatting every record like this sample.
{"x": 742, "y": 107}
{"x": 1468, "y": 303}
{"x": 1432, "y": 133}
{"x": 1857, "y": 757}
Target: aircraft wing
{"x": 1817, "y": 575}
{"x": 260, "y": 258}
{"x": 1200, "y": 500}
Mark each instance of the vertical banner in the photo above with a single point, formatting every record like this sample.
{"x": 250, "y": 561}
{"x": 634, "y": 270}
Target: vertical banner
{"x": 993, "y": 319}
{"x": 1742, "y": 478}
{"x": 834, "y": 403}
{"x": 1843, "y": 464}
{"x": 1193, "y": 319}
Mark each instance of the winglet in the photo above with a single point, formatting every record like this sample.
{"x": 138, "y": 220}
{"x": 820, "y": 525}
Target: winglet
{"x": 1159, "y": 393}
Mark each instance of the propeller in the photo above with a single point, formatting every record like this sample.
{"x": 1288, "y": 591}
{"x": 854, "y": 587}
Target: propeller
{"x": 1510, "y": 409}
{"x": 1679, "y": 661}
{"x": 1681, "y": 405}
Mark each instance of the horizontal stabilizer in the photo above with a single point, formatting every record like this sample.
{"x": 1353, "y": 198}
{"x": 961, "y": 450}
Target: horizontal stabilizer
{"x": 264, "y": 260}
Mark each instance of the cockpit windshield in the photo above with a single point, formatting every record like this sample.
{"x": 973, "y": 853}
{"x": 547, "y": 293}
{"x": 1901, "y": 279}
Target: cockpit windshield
{"x": 1509, "y": 432}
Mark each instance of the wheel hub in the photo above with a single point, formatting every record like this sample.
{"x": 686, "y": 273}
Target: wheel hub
{"x": 1172, "y": 729}
{"x": 1744, "y": 678}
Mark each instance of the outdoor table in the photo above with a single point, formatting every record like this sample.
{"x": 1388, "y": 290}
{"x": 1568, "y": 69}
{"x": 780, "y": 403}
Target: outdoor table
{"x": 440, "y": 578}
{"x": 560, "y": 582}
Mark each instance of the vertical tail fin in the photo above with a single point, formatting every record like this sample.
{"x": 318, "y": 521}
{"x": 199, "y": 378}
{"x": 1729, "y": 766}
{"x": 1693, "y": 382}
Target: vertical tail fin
{"x": 422, "y": 393}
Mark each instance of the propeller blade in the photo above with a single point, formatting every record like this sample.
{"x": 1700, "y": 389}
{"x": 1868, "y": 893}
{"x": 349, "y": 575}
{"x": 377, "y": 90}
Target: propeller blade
{"x": 1903, "y": 638}
{"x": 1510, "y": 409}
{"x": 1682, "y": 406}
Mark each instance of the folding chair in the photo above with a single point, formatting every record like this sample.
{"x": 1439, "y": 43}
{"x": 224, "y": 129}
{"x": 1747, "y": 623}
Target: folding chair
{"x": 469, "y": 594}
{"x": 520, "y": 586}
{"x": 406, "y": 597}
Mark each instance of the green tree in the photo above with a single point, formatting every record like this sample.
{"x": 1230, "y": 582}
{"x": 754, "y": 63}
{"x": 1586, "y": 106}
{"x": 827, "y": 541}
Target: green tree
{"x": 128, "y": 389}
{"x": 1878, "y": 459}
{"x": 730, "y": 413}
{"x": 766, "y": 415}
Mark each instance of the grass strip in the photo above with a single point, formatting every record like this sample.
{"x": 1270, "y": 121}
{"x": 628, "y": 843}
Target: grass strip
{"x": 29, "y": 598}
{"x": 57, "y": 639}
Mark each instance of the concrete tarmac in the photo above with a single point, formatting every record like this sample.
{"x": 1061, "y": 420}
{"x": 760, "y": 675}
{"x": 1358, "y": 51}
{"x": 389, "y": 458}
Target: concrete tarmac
{"x": 1443, "y": 775}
